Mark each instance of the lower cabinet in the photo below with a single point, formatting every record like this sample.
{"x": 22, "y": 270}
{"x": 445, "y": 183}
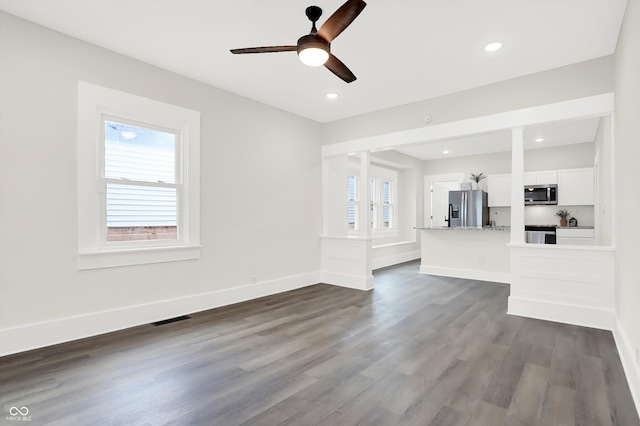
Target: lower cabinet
{"x": 575, "y": 236}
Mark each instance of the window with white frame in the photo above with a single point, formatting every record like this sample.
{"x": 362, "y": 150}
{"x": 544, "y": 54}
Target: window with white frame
{"x": 383, "y": 182}
{"x": 382, "y": 200}
{"x": 388, "y": 206}
{"x": 138, "y": 179}
{"x": 352, "y": 202}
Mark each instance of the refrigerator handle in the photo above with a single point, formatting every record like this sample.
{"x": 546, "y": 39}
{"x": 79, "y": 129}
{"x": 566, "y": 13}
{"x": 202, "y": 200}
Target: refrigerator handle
{"x": 464, "y": 209}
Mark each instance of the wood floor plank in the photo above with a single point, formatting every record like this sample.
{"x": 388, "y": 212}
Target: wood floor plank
{"x": 505, "y": 381}
{"x": 416, "y": 350}
{"x": 558, "y": 408}
{"x": 526, "y": 405}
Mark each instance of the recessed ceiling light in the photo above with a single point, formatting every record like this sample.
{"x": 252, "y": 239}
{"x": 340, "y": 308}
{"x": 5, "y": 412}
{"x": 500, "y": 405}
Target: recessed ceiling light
{"x": 539, "y": 139}
{"x": 332, "y": 95}
{"x": 446, "y": 151}
{"x": 492, "y": 47}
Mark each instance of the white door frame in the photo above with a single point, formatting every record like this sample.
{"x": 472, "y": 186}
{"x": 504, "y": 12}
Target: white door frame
{"x": 459, "y": 177}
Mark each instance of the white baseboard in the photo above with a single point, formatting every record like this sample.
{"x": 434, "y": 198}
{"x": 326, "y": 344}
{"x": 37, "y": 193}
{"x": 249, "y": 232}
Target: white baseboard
{"x": 356, "y": 282}
{"x": 470, "y": 274}
{"x": 585, "y": 316}
{"x": 37, "y": 335}
{"x": 383, "y": 262}
{"x": 627, "y": 356}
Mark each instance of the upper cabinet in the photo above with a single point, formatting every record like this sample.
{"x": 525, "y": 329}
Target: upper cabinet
{"x": 576, "y": 187}
{"x": 547, "y": 177}
{"x": 499, "y": 190}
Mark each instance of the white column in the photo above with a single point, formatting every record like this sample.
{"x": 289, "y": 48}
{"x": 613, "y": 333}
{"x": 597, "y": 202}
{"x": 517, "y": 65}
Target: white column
{"x": 365, "y": 197}
{"x": 517, "y": 185}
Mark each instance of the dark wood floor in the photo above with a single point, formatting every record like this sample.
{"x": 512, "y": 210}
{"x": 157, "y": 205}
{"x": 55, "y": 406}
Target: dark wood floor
{"x": 417, "y": 350}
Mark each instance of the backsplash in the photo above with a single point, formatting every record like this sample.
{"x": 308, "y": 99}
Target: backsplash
{"x": 543, "y": 215}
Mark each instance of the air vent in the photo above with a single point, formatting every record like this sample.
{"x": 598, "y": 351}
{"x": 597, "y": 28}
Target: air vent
{"x": 170, "y": 320}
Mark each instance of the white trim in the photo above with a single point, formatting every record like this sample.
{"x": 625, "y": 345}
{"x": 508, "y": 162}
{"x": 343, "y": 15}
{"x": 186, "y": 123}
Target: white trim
{"x": 137, "y": 256}
{"x": 37, "y": 335}
{"x": 591, "y": 106}
{"x": 469, "y": 274}
{"x": 383, "y": 262}
{"x": 585, "y": 316}
{"x": 356, "y": 282}
{"x": 627, "y": 357}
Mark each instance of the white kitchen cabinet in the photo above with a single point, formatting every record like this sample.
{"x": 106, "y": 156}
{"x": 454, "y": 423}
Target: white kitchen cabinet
{"x": 499, "y": 190}
{"x": 546, "y": 177}
{"x": 575, "y": 236}
{"x": 576, "y": 187}
{"x": 530, "y": 178}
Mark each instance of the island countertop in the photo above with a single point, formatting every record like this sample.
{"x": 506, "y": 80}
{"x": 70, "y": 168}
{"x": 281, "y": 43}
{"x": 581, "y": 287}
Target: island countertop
{"x": 466, "y": 228}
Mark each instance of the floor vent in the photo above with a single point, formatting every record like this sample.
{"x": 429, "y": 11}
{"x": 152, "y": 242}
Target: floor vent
{"x": 170, "y": 320}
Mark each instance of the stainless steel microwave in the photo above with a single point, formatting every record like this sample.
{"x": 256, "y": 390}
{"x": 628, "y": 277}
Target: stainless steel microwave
{"x": 540, "y": 195}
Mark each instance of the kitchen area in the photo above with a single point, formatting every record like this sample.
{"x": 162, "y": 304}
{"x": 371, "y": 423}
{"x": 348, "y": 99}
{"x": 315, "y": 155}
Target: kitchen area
{"x": 546, "y": 232}
{"x": 558, "y": 204}
{"x": 540, "y": 166}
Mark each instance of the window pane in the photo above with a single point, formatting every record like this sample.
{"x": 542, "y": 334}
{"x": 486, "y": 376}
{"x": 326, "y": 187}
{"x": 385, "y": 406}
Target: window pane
{"x": 139, "y": 154}
{"x": 386, "y": 208}
{"x": 386, "y": 216}
{"x": 136, "y": 212}
{"x": 386, "y": 192}
{"x": 351, "y": 217}
{"x": 372, "y": 189}
{"x": 351, "y": 187}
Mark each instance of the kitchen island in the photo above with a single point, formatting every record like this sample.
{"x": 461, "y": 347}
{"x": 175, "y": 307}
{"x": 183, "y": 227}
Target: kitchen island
{"x": 466, "y": 252}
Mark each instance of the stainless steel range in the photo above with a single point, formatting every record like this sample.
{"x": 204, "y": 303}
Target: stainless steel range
{"x": 540, "y": 234}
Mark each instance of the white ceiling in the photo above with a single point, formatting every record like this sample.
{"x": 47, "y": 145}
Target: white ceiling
{"x": 562, "y": 133}
{"x": 402, "y": 51}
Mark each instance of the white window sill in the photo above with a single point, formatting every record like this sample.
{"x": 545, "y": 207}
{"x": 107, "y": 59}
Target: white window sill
{"x": 376, "y": 235}
{"x": 136, "y": 256}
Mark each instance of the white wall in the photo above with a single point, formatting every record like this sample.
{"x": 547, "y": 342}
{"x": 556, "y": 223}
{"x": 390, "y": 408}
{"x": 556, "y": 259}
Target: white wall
{"x": 627, "y": 203}
{"x": 560, "y": 157}
{"x": 565, "y": 83}
{"x": 260, "y": 184}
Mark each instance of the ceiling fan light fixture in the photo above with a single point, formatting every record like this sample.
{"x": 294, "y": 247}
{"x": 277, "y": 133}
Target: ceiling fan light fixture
{"x": 313, "y": 51}
{"x": 313, "y": 56}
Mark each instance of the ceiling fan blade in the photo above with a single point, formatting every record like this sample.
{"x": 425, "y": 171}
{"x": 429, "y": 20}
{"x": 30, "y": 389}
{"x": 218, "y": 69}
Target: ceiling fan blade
{"x": 267, "y": 49}
{"x": 336, "y": 66}
{"x": 341, "y": 19}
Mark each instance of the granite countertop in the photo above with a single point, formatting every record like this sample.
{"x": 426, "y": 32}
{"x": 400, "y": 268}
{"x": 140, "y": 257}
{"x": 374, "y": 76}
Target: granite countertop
{"x": 467, "y": 228}
{"x": 559, "y": 227}
{"x": 574, "y": 227}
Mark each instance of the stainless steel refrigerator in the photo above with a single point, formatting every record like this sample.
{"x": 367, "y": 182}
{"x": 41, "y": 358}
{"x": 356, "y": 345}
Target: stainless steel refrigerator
{"x": 468, "y": 208}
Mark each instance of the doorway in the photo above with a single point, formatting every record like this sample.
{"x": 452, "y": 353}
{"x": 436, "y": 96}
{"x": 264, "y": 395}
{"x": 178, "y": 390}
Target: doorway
{"x": 436, "y": 197}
